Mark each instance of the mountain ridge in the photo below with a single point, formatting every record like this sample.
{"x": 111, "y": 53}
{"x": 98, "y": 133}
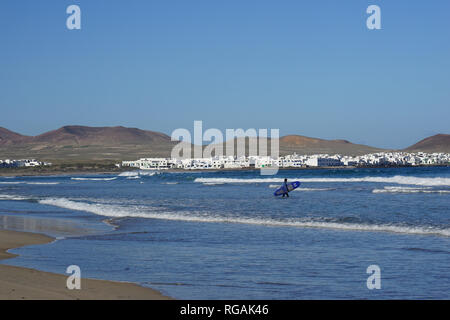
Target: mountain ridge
{"x": 75, "y": 142}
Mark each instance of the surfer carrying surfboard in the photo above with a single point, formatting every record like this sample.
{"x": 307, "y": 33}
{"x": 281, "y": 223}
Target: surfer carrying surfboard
{"x": 286, "y": 189}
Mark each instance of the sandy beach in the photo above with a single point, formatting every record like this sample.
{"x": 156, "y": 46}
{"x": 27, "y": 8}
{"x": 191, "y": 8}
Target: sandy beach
{"x": 17, "y": 283}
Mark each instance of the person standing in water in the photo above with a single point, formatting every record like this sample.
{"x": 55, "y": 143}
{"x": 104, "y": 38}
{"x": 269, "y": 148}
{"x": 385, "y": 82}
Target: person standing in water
{"x": 286, "y": 190}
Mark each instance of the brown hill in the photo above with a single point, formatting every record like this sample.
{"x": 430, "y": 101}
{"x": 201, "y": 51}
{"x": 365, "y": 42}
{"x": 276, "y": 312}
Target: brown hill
{"x": 8, "y": 137}
{"x": 103, "y": 136}
{"x": 306, "y": 145}
{"x": 86, "y": 143}
{"x": 436, "y": 143}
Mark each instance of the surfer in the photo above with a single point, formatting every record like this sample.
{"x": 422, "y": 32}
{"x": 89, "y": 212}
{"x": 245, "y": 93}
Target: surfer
{"x": 286, "y": 187}
{"x": 286, "y": 190}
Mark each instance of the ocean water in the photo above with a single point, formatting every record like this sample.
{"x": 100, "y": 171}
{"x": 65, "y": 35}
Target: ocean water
{"x": 223, "y": 235}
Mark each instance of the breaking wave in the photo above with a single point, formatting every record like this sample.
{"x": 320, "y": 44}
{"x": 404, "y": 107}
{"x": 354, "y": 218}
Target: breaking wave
{"x": 147, "y": 212}
{"x": 274, "y": 186}
{"x": 42, "y": 183}
{"x": 94, "y": 179}
{"x": 407, "y": 180}
{"x": 12, "y": 182}
{"x": 314, "y": 189}
{"x": 12, "y": 197}
{"x": 410, "y": 190}
{"x": 137, "y": 173}
{"x": 128, "y": 174}
{"x": 29, "y": 183}
{"x": 148, "y": 173}
{"x": 133, "y": 177}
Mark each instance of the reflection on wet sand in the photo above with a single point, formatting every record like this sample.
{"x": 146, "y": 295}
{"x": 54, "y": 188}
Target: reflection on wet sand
{"x": 53, "y": 227}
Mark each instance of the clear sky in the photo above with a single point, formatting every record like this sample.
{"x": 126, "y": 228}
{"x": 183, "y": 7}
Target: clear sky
{"x": 305, "y": 67}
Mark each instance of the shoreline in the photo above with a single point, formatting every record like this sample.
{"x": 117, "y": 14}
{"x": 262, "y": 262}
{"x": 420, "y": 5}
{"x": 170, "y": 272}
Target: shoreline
{"x": 18, "y": 173}
{"x": 19, "y": 283}
{"x": 23, "y": 173}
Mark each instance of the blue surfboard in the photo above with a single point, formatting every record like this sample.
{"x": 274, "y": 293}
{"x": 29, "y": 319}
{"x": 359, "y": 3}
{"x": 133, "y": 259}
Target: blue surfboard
{"x": 290, "y": 186}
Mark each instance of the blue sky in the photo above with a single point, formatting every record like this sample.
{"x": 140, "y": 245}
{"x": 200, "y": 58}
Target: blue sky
{"x": 305, "y": 67}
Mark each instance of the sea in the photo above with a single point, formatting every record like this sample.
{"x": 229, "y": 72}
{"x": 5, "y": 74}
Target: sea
{"x": 224, "y": 235}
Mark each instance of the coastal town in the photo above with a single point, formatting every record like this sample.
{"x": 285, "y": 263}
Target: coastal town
{"x": 292, "y": 161}
{"x": 256, "y": 162}
{"x": 22, "y": 163}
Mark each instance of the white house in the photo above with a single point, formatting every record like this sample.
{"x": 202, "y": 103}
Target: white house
{"x": 323, "y": 162}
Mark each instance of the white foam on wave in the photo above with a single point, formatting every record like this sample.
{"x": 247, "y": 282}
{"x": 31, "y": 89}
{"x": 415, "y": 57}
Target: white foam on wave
{"x": 408, "y": 180}
{"x": 406, "y": 188}
{"x": 12, "y": 182}
{"x": 146, "y": 212}
{"x": 148, "y": 173}
{"x": 42, "y": 183}
{"x": 137, "y": 173}
{"x": 410, "y": 190}
{"x": 94, "y": 179}
{"x": 133, "y": 177}
{"x": 313, "y": 189}
{"x": 273, "y": 186}
{"x": 128, "y": 174}
{"x": 9, "y": 197}
{"x": 29, "y": 183}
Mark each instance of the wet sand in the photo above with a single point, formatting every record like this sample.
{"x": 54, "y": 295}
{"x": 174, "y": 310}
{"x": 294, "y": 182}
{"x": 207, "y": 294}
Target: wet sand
{"x": 17, "y": 283}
